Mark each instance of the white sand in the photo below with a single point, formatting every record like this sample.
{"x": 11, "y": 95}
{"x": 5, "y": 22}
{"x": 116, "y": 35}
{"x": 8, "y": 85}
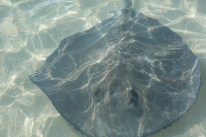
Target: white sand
{"x": 31, "y": 29}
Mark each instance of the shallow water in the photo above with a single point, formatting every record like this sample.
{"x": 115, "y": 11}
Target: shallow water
{"x": 31, "y": 29}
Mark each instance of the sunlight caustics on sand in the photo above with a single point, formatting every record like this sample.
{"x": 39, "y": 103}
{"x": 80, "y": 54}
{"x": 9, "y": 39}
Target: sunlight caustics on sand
{"x": 31, "y": 30}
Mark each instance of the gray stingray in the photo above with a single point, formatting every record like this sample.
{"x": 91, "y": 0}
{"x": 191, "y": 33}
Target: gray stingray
{"x": 128, "y": 76}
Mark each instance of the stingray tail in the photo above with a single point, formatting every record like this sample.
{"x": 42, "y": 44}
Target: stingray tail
{"x": 128, "y": 3}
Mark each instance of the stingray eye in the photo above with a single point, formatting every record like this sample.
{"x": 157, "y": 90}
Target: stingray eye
{"x": 133, "y": 97}
{"x": 98, "y": 95}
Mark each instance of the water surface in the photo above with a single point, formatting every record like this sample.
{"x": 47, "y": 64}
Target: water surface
{"x": 30, "y": 30}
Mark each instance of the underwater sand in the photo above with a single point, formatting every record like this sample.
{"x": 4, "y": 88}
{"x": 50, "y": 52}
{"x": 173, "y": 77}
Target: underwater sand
{"x": 30, "y": 30}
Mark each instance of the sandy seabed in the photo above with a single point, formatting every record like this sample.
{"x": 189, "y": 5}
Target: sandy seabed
{"x": 31, "y": 30}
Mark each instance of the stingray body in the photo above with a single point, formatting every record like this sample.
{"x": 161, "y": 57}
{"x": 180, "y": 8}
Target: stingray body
{"x": 128, "y": 76}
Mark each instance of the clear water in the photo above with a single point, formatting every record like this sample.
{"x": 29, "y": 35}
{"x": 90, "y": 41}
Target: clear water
{"x": 31, "y": 29}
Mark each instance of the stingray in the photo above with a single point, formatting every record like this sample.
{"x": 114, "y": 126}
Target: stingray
{"x": 128, "y": 76}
